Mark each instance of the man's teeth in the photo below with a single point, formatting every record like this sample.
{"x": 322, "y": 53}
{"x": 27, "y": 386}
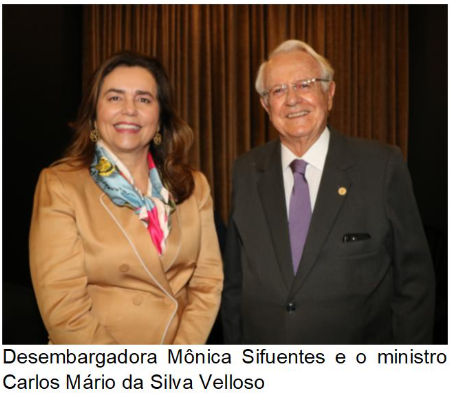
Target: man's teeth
{"x": 127, "y": 126}
{"x": 298, "y": 114}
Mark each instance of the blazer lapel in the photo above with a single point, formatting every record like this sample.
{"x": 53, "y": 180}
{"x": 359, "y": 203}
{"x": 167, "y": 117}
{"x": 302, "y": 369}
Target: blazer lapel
{"x": 139, "y": 240}
{"x": 173, "y": 242}
{"x": 271, "y": 193}
{"x": 328, "y": 203}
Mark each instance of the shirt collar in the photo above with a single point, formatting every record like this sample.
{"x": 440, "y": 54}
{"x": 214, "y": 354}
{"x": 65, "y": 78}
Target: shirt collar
{"x": 315, "y": 156}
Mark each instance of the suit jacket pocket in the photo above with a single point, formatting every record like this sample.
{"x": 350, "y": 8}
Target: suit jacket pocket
{"x": 359, "y": 248}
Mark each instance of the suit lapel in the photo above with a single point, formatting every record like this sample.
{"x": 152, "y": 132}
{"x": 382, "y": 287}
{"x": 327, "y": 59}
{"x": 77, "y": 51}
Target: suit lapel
{"x": 328, "y": 204}
{"x": 139, "y": 240}
{"x": 173, "y": 241}
{"x": 271, "y": 193}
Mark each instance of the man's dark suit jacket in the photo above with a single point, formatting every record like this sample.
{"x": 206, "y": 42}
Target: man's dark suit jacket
{"x": 378, "y": 290}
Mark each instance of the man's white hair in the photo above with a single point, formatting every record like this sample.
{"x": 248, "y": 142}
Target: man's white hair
{"x": 294, "y": 46}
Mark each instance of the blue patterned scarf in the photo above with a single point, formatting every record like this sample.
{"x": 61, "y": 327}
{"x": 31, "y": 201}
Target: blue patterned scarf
{"x": 154, "y": 208}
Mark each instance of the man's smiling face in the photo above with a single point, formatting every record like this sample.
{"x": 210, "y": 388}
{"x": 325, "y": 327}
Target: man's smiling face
{"x": 297, "y": 115}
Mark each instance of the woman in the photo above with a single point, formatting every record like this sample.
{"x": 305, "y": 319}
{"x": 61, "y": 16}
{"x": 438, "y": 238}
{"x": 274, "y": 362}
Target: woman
{"x": 123, "y": 248}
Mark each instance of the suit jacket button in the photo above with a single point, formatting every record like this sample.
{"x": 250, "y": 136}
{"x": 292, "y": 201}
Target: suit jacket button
{"x": 124, "y": 268}
{"x": 137, "y": 300}
{"x": 291, "y": 307}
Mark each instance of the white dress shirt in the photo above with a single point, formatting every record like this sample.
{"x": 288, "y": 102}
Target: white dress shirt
{"x": 315, "y": 157}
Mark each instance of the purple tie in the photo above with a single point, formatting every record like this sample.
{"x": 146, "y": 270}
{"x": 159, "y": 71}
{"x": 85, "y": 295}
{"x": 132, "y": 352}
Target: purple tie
{"x": 299, "y": 212}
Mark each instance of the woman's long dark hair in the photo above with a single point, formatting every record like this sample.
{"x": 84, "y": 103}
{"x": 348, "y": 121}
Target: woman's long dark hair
{"x": 170, "y": 157}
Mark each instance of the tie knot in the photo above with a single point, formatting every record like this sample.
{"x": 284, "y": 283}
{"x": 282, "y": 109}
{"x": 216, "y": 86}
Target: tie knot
{"x": 298, "y": 166}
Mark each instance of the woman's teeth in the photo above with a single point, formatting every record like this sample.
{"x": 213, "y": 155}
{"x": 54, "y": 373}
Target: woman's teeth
{"x": 127, "y": 126}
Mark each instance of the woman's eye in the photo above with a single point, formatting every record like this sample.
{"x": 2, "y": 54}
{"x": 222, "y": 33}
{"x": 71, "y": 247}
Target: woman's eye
{"x": 113, "y": 98}
{"x": 144, "y": 100}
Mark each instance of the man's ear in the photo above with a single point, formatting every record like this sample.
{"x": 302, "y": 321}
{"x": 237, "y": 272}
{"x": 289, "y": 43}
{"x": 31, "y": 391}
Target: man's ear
{"x": 264, "y": 104}
{"x": 330, "y": 94}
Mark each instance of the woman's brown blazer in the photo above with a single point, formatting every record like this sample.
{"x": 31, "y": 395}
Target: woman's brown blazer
{"x": 98, "y": 277}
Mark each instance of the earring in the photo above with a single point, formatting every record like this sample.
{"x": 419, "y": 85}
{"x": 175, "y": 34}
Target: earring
{"x": 157, "y": 139}
{"x": 95, "y": 137}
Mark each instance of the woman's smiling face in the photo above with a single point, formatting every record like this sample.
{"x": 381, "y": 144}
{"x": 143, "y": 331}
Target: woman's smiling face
{"x": 127, "y": 115}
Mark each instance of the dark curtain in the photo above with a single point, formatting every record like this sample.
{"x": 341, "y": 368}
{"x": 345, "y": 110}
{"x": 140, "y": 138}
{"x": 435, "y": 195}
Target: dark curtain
{"x": 212, "y": 54}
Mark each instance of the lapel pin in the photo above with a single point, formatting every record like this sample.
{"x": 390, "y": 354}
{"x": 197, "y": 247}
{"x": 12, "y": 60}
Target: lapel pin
{"x": 342, "y": 191}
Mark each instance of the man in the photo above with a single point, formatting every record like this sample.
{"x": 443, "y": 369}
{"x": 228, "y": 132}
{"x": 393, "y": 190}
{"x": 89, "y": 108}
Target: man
{"x": 325, "y": 241}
